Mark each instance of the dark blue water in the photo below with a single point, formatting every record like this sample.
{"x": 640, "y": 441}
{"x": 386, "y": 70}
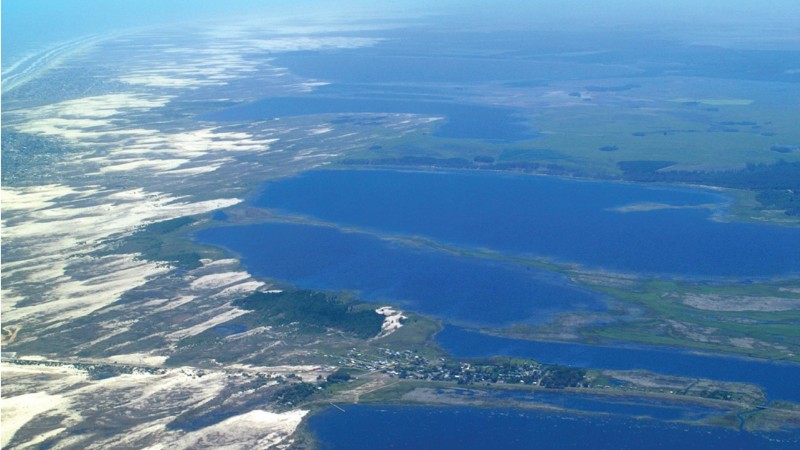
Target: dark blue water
{"x": 568, "y": 220}
{"x": 219, "y": 215}
{"x": 770, "y": 376}
{"x": 463, "y": 121}
{"x": 409, "y": 427}
{"x": 460, "y": 289}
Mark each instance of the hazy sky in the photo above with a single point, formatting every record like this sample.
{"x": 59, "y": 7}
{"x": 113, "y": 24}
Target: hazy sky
{"x": 31, "y": 24}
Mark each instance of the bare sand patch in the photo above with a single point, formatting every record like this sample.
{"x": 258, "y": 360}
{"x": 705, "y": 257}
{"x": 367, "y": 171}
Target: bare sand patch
{"x": 218, "y": 280}
{"x": 254, "y": 429}
{"x": 393, "y": 320}
{"x": 139, "y": 359}
{"x": 19, "y": 410}
{"x": 217, "y": 319}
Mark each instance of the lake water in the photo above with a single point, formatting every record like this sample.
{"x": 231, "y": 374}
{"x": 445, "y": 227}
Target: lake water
{"x": 463, "y": 120}
{"x": 467, "y": 291}
{"x": 458, "y": 289}
{"x": 770, "y": 376}
{"x": 410, "y": 427}
{"x": 563, "y": 219}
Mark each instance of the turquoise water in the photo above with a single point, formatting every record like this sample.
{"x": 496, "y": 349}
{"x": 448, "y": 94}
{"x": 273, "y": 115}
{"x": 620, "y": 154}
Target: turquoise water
{"x": 409, "y": 427}
{"x": 566, "y": 220}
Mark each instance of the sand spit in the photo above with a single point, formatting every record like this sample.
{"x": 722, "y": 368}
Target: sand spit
{"x": 738, "y": 303}
{"x": 647, "y": 207}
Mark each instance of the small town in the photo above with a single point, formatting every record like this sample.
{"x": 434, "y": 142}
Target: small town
{"x": 408, "y": 365}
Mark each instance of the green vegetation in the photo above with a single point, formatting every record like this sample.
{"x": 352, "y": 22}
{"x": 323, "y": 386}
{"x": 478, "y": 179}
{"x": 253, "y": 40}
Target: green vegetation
{"x": 314, "y": 310}
{"x": 340, "y": 376}
{"x": 778, "y": 185}
{"x": 560, "y": 377}
{"x": 164, "y": 241}
{"x": 281, "y": 392}
{"x": 294, "y": 394}
{"x": 746, "y": 318}
{"x": 416, "y": 333}
{"x": 758, "y": 320}
{"x": 778, "y": 416}
{"x": 730, "y": 409}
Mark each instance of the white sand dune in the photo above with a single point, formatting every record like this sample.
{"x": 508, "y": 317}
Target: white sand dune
{"x": 218, "y": 280}
{"x": 254, "y": 429}
{"x": 225, "y": 314}
{"x": 392, "y": 322}
{"x": 54, "y": 234}
{"x": 19, "y": 410}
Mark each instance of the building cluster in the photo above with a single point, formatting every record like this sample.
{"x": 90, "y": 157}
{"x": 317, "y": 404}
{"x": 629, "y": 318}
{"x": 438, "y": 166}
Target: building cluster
{"x": 408, "y": 365}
